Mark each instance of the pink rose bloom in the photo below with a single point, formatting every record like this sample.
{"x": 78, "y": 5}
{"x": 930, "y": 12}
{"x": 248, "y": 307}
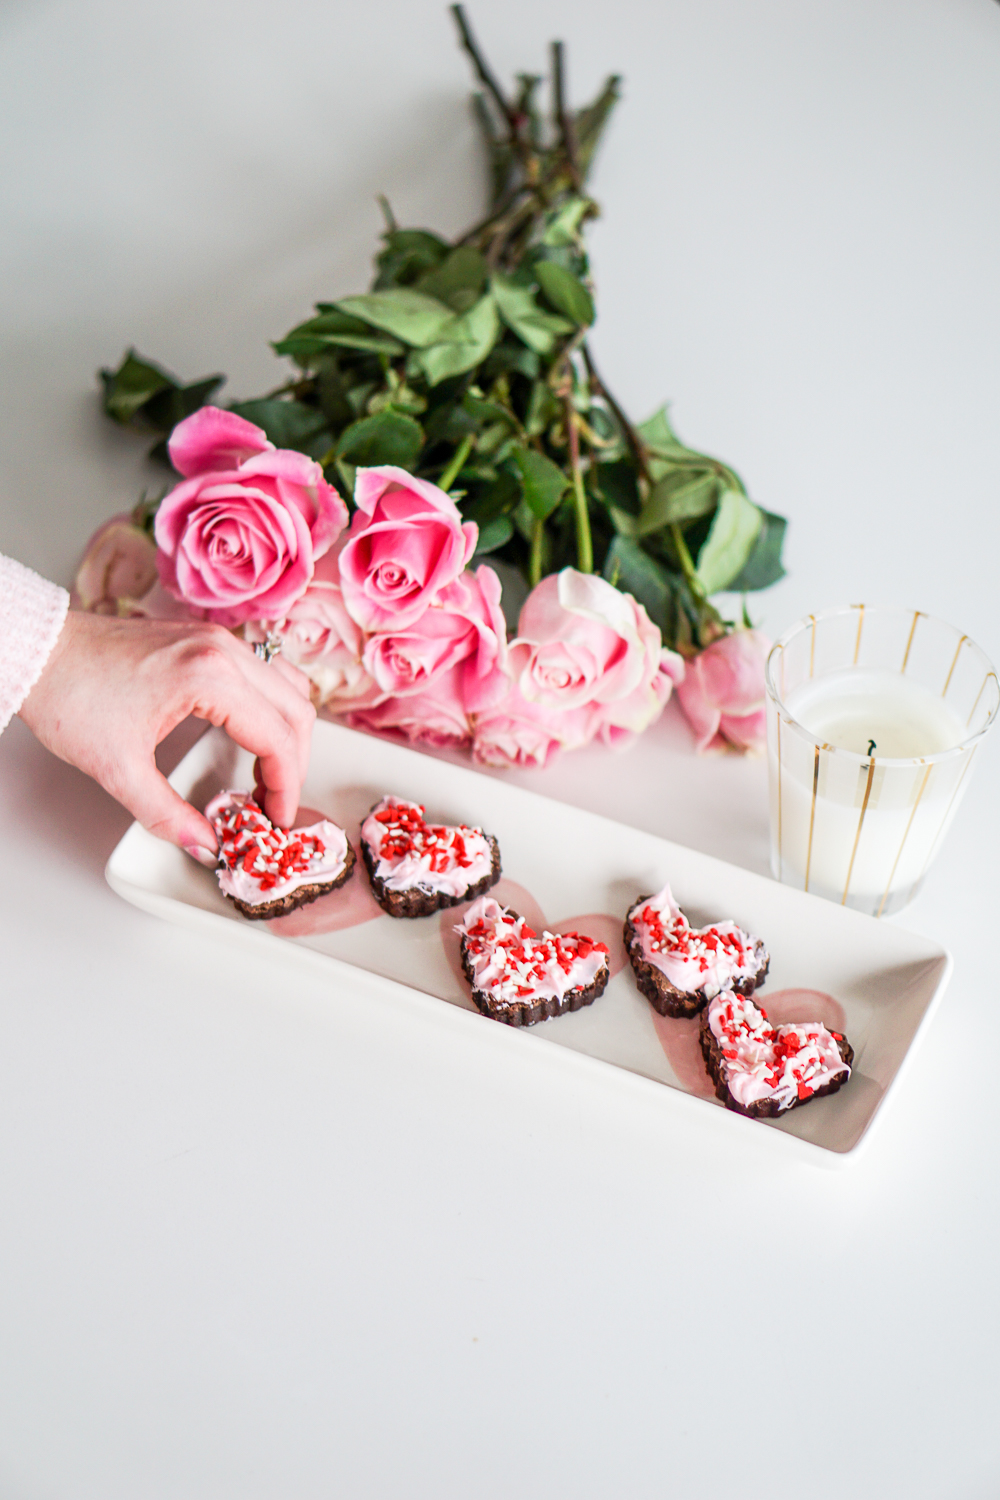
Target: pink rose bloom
{"x": 723, "y": 692}
{"x": 436, "y": 717}
{"x": 118, "y": 568}
{"x": 319, "y": 636}
{"x": 407, "y": 542}
{"x": 239, "y": 536}
{"x": 464, "y": 627}
{"x": 519, "y": 733}
{"x": 582, "y": 643}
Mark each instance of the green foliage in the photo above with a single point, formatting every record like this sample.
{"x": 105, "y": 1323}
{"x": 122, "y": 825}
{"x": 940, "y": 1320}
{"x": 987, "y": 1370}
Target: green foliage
{"x": 408, "y": 254}
{"x": 466, "y": 363}
{"x": 407, "y": 314}
{"x": 465, "y": 342}
{"x": 543, "y": 483}
{"x": 494, "y": 535}
{"x": 387, "y": 438}
{"x": 143, "y": 390}
{"x": 333, "y": 329}
{"x": 458, "y": 280}
{"x": 730, "y": 541}
{"x": 763, "y": 566}
{"x": 520, "y": 310}
{"x": 288, "y": 424}
{"x": 566, "y": 292}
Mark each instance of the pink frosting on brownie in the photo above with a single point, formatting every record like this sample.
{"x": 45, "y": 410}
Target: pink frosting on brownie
{"x": 262, "y": 863}
{"x": 787, "y": 1064}
{"x": 514, "y": 966}
{"x": 707, "y": 958}
{"x": 412, "y": 852}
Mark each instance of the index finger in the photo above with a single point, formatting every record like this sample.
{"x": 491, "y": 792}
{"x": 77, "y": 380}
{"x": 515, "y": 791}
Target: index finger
{"x": 279, "y": 737}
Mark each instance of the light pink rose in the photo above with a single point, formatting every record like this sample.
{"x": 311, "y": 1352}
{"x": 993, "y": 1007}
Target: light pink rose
{"x": 239, "y": 536}
{"x": 118, "y": 568}
{"x": 319, "y": 636}
{"x": 582, "y": 643}
{"x": 436, "y": 717}
{"x": 518, "y": 733}
{"x": 723, "y": 692}
{"x": 463, "y": 627}
{"x": 407, "y": 542}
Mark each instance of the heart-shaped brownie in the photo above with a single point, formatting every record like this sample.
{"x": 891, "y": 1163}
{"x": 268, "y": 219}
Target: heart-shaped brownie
{"x": 762, "y": 1070}
{"x": 267, "y": 871}
{"x": 679, "y": 967}
{"x": 520, "y": 978}
{"x": 416, "y": 867}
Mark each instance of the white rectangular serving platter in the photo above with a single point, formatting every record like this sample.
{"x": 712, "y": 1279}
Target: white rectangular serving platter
{"x": 574, "y": 863}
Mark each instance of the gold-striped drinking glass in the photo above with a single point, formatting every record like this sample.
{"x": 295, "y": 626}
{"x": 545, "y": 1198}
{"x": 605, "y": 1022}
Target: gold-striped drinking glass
{"x": 849, "y": 821}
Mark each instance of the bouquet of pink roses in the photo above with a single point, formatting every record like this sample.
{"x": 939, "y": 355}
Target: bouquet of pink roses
{"x": 384, "y": 615}
{"x": 451, "y": 414}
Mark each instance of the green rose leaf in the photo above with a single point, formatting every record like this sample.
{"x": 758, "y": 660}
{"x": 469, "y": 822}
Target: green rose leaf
{"x": 523, "y": 316}
{"x": 304, "y": 350}
{"x": 542, "y": 481}
{"x": 566, "y": 292}
{"x": 633, "y": 571}
{"x": 679, "y": 496}
{"x": 139, "y": 386}
{"x": 624, "y": 523}
{"x": 485, "y": 412}
{"x": 333, "y": 329}
{"x": 389, "y": 437}
{"x": 468, "y": 340}
{"x": 288, "y": 424}
{"x": 686, "y": 623}
{"x": 458, "y": 280}
{"x": 763, "y": 567}
{"x": 666, "y": 451}
{"x": 127, "y": 389}
{"x": 563, "y": 227}
{"x": 730, "y": 541}
{"x": 408, "y": 253}
{"x": 658, "y": 434}
{"x": 406, "y": 314}
{"x": 167, "y": 408}
{"x": 495, "y": 534}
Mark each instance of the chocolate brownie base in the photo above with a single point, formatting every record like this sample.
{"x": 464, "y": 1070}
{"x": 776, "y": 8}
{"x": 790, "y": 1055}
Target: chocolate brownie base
{"x": 417, "y": 900}
{"x": 300, "y": 897}
{"x": 664, "y": 996}
{"x": 762, "y": 1108}
{"x": 523, "y": 1014}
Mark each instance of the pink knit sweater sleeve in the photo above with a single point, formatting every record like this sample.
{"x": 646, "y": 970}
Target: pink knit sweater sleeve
{"x": 32, "y": 612}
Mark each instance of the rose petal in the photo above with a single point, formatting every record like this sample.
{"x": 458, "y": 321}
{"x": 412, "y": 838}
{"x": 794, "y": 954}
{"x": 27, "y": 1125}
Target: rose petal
{"x": 212, "y": 439}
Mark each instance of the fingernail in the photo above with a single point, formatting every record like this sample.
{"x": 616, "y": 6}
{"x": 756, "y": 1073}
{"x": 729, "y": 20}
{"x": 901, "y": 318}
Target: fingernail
{"x": 206, "y": 857}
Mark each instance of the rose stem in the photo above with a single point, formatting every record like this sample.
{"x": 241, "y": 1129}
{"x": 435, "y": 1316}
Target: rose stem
{"x": 686, "y": 562}
{"x": 632, "y": 438}
{"x": 450, "y": 474}
{"x": 584, "y": 546}
{"x": 537, "y": 539}
{"x": 485, "y": 76}
{"x": 565, "y": 124}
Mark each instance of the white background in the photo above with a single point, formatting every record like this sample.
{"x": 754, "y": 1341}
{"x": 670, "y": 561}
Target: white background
{"x": 255, "y": 1243}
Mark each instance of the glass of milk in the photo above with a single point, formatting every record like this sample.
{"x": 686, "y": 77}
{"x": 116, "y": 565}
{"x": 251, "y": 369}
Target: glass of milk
{"x": 874, "y": 720}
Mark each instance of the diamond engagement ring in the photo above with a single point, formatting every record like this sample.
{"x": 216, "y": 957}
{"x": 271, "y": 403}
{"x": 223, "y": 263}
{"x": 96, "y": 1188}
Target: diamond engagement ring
{"x": 268, "y": 649}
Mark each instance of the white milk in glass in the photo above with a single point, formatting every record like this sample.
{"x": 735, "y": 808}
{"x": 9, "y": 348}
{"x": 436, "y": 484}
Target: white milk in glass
{"x": 874, "y": 717}
{"x": 864, "y": 831}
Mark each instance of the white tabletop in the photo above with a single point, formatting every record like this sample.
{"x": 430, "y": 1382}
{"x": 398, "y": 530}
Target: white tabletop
{"x": 254, "y": 1242}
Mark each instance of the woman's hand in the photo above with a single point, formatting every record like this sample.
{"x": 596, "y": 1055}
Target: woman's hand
{"x": 113, "y": 689}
